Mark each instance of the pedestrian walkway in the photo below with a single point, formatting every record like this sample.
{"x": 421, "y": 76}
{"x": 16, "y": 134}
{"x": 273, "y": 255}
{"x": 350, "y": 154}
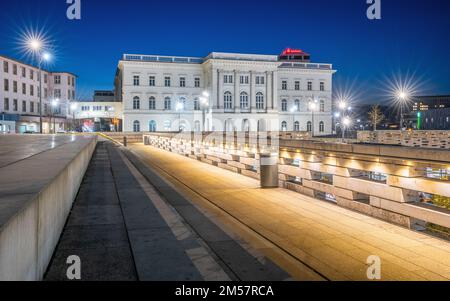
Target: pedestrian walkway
{"x": 332, "y": 241}
{"x": 123, "y": 229}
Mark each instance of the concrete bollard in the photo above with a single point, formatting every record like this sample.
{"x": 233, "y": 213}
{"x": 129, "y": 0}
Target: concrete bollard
{"x": 269, "y": 170}
{"x": 125, "y": 141}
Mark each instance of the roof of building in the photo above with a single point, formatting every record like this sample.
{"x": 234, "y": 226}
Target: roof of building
{"x": 43, "y": 69}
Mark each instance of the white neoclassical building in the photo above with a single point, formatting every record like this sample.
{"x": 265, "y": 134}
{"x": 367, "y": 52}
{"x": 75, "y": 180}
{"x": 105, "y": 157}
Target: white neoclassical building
{"x": 225, "y": 91}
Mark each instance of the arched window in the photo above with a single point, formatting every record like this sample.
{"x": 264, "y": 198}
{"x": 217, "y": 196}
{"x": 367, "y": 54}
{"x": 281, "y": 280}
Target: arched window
{"x": 297, "y": 126}
{"x": 167, "y": 103}
{"x": 309, "y": 126}
{"x": 284, "y": 105}
{"x": 183, "y": 103}
{"x": 136, "y": 103}
{"x": 244, "y": 100}
{"x": 245, "y": 125}
{"x": 322, "y": 106}
{"x": 152, "y": 126}
{"x": 259, "y": 101}
{"x": 196, "y": 105}
{"x": 321, "y": 127}
{"x": 152, "y": 103}
{"x": 136, "y": 126}
{"x": 284, "y": 126}
{"x": 228, "y": 100}
{"x": 297, "y": 105}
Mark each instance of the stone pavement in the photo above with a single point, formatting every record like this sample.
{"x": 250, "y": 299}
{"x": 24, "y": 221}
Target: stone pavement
{"x": 122, "y": 228}
{"x": 300, "y": 234}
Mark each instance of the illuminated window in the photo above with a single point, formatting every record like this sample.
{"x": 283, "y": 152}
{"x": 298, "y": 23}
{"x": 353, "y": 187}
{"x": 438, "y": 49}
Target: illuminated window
{"x": 259, "y": 101}
{"x": 244, "y": 100}
{"x": 284, "y": 126}
{"x": 321, "y": 127}
{"x": 228, "y": 100}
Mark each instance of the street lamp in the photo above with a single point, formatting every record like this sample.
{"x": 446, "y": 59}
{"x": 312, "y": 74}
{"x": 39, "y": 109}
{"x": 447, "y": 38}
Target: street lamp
{"x": 54, "y": 103}
{"x": 402, "y": 98}
{"x": 205, "y": 105}
{"x": 179, "y": 107}
{"x": 293, "y": 110}
{"x": 312, "y": 107}
{"x": 346, "y": 122}
{"x": 73, "y": 108}
{"x": 35, "y": 45}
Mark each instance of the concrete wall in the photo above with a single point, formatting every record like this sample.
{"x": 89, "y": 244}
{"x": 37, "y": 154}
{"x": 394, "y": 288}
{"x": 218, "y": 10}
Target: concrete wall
{"x": 31, "y": 228}
{"x": 426, "y": 139}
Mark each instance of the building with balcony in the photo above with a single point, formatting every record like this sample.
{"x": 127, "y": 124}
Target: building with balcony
{"x": 225, "y": 92}
{"x": 19, "y": 97}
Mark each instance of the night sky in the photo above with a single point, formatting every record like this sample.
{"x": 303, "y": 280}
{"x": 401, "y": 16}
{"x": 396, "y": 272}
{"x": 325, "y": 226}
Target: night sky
{"x": 411, "y": 41}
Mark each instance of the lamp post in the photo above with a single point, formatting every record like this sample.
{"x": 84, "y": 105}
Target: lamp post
{"x": 402, "y": 98}
{"x": 54, "y": 105}
{"x": 345, "y": 124}
{"x": 73, "y": 108}
{"x": 35, "y": 45}
{"x": 293, "y": 109}
{"x": 179, "y": 107}
{"x": 312, "y": 107}
{"x": 204, "y": 102}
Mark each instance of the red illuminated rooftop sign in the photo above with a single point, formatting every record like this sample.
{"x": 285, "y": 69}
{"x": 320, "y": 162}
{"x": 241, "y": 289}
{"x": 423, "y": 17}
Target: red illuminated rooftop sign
{"x": 290, "y": 51}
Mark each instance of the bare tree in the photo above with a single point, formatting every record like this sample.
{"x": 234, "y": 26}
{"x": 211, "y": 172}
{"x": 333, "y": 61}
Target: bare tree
{"x": 375, "y": 116}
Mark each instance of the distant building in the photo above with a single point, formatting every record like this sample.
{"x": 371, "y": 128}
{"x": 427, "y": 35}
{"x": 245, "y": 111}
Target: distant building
{"x": 425, "y": 103}
{"x": 98, "y": 116}
{"x": 434, "y": 119}
{"x": 19, "y": 97}
{"x": 104, "y": 96}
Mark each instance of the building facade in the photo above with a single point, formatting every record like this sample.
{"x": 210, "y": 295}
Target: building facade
{"x": 19, "y": 97}
{"x": 225, "y": 92}
{"x": 98, "y": 116}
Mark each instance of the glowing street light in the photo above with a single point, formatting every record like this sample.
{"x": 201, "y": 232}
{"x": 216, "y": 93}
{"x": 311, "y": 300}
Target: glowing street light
{"x": 312, "y": 106}
{"x": 402, "y": 97}
{"x": 35, "y": 44}
{"x": 346, "y": 122}
{"x": 205, "y": 101}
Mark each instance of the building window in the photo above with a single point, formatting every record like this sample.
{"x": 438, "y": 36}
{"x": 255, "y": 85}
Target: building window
{"x": 152, "y": 126}
{"x": 136, "y": 80}
{"x": 57, "y": 79}
{"x": 136, "y": 103}
{"x": 152, "y": 103}
{"x": 14, "y": 86}
{"x": 31, "y": 107}
{"x": 284, "y": 105}
{"x": 297, "y": 105}
{"x": 228, "y": 79}
{"x": 228, "y": 100}
{"x": 297, "y": 85}
{"x": 297, "y": 126}
{"x": 284, "y": 126}
{"x": 260, "y": 80}
{"x": 15, "y": 69}
{"x": 31, "y": 74}
{"x": 167, "y": 81}
{"x": 31, "y": 90}
{"x": 244, "y": 79}
{"x": 309, "y": 126}
{"x": 6, "y": 104}
{"x": 284, "y": 85}
{"x": 45, "y": 78}
{"x": 244, "y": 101}
{"x": 24, "y": 72}
{"x": 259, "y": 101}
{"x": 182, "y": 82}
{"x": 322, "y": 106}
{"x": 321, "y": 127}
{"x": 57, "y": 93}
{"x": 15, "y": 105}
{"x": 197, "y": 82}
{"x": 167, "y": 103}
{"x": 5, "y": 67}
{"x": 196, "y": 105}
{"x": 24, "y": 88}
{"x": 309, "y": 86}
{"x": 136, "y": 126}
{"x": 24, "y": 106}
{"x": 322, "y": 86}
{"x": 6, "y": 85}
{"x": 151, "y": 81}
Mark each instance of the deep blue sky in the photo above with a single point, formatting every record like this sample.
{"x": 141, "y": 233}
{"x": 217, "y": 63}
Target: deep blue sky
{"x": 413, "y": 36}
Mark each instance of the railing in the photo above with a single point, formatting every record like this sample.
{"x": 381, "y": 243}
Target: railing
{"x": 162, "y": 59}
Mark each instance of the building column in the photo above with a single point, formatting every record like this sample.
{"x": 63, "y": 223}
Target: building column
{"x": 269, "y": 96}
{"x": 252, "y": 92}
{"x": 236, "y": 90}
{"x": 274, "y": 90}
{"x": 219, "y": 87}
